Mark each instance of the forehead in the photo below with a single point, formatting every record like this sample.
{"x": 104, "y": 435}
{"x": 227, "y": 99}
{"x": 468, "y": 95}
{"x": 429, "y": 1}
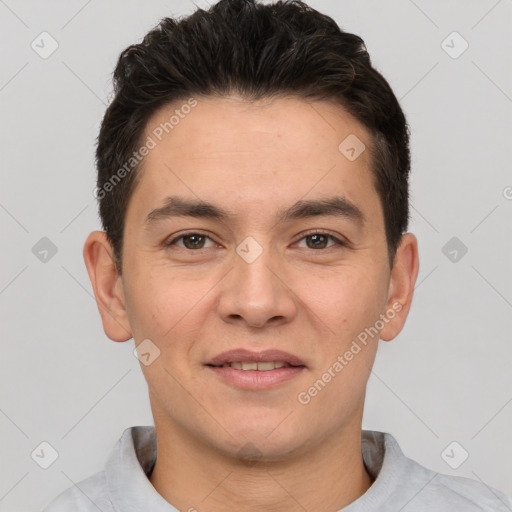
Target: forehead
{"x": 227, "y": 126}
{"x": 254, "y": 154}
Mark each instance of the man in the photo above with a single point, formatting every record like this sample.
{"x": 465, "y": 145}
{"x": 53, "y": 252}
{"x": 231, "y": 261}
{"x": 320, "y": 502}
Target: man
{"x": 253, "y": 187}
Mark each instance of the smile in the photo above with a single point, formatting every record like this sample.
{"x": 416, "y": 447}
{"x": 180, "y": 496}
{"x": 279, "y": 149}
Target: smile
{"x": 263, "y": 366}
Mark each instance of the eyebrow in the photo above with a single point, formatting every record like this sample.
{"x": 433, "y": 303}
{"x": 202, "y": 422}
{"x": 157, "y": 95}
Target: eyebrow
{"x": 337, "y": 206}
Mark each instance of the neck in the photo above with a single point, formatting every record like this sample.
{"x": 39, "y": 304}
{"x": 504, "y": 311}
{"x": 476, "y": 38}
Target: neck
{"x": 193, "y": 476}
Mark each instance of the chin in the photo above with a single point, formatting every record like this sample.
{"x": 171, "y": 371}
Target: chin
{"x": 262, "y": 441}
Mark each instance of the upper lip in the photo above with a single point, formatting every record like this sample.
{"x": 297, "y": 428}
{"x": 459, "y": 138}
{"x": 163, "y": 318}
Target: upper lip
{"x": 241, "y": 355}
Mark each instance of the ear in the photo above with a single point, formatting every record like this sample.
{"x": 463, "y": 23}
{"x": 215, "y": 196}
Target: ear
{"x": 108, "y": 286}
{"x": 401, "y": 286}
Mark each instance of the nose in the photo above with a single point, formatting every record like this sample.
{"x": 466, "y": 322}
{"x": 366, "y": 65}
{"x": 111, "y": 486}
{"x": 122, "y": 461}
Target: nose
{"x": 256, "y": 292}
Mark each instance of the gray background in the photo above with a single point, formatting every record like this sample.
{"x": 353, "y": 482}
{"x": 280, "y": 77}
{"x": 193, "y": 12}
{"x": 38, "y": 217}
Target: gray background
{"x": 445, "y": 378}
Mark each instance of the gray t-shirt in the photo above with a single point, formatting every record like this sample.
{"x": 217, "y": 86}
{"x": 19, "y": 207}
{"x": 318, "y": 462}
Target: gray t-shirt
{"x": 401, "y": 484}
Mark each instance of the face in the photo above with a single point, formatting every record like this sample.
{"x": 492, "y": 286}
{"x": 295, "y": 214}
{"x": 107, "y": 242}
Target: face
{"x": 286, "y": 264}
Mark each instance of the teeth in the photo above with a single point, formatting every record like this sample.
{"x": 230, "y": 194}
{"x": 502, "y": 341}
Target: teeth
{"x": 266, "y": 366}
{"x": 263, "y": 366}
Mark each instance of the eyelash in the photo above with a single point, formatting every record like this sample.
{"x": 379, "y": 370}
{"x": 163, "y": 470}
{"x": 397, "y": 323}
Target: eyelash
{"x": 337, "y": 241}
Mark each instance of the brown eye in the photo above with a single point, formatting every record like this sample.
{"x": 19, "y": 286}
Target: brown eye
{"x": 320, "y": 241}
{"x": 192, "y": 241}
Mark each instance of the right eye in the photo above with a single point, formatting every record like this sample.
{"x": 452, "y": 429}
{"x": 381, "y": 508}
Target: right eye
{"x": 190, "y": 241}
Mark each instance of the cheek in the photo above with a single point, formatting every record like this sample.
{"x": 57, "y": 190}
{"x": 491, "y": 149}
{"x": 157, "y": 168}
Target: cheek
{"x": 346, "y": 300}
{"x": 166, "y": 308}
{"x": 151, "y": 302}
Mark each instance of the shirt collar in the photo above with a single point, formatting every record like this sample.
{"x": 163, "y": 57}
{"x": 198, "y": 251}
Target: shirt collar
{"x": 128, "y": 466}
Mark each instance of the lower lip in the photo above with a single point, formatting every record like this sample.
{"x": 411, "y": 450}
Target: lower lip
{"x": 254, "y": 379}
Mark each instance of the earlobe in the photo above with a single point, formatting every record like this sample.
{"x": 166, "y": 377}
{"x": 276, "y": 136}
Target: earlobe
{"x": 401, "y": 286}
{"x": 107, "y": 286}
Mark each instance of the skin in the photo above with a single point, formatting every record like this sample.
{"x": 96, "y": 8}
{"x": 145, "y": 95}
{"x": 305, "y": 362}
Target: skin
{"x": 255, "y": 159}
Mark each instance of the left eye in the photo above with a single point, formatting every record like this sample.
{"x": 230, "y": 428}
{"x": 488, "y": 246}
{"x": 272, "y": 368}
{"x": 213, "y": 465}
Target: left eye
{"x": 319, "y": 241}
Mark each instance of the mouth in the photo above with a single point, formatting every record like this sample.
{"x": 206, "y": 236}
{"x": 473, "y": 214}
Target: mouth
{"x": 261, "y": 366}
{"x": 255, "y": 370}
